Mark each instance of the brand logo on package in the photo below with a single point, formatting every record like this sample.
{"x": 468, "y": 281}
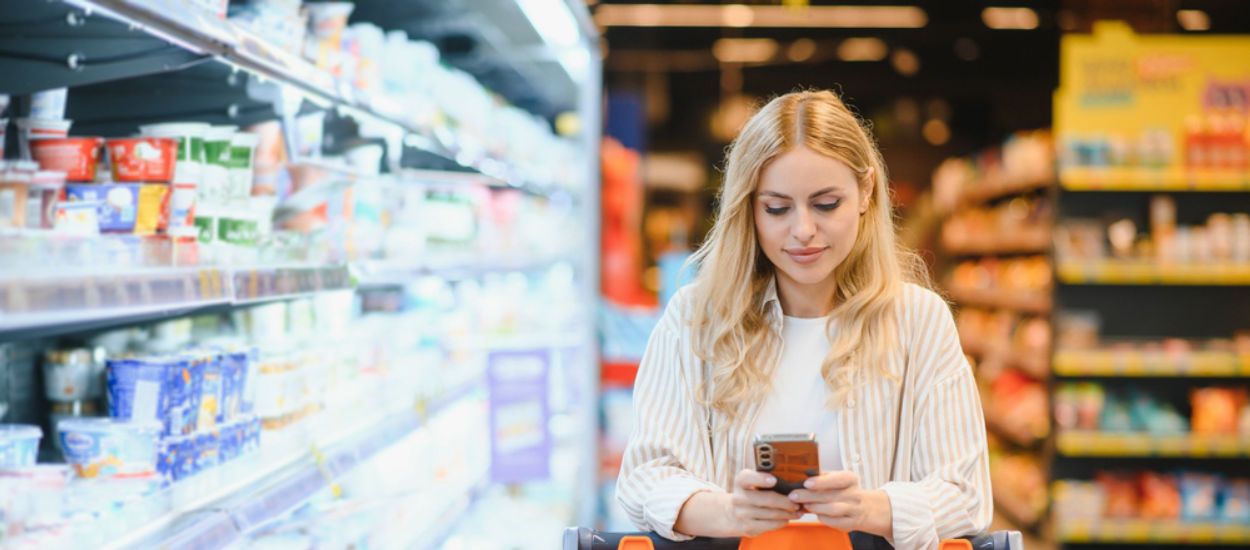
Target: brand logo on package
{"x": 79, "y": 443}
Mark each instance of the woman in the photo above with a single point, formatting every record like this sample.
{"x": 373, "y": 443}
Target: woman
{"x": 807, "y": 317}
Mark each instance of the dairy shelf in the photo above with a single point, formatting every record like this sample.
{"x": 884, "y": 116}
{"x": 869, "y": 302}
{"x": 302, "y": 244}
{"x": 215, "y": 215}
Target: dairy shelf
{"x": 218, "y": 508}
{"x": 1153, "y": 180}
{"x": 1093, "y": 443}
{"x": 1140, "y": 363}
{"x": 1146, "y": 272}
{"x": 1150, "y": 531}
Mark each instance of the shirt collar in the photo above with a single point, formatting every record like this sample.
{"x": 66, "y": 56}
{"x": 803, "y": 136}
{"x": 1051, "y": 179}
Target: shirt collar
{"x": 771, "y": 303}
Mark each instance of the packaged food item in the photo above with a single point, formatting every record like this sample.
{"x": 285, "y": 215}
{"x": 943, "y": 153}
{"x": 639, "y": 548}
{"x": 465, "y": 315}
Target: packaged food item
{"x": 78, "y": 218}
{"x": 14, "y": 189}
{"x": 210, "y": 390}
{"x": 70, "y": 375}
{"x": 144, "y": 159}
{"x": 105, "y": 447}
{"x": 1160, "y": 496}
{"x": 217, "y": 154}
{"x": 1198, "y": 496}
{"x": 76, "y": 156}
{"x": 242, "y": 154}
{"x": 188, "y": 171}
{"x": 48, "y": 104}
{"x": 207, "y": 448}
{"x": 1235, "y": 501}
{"x": 1215, "y": 410}
{"x": 36, "y": 494}
{"x": 30, "y": 129}
{"x": 270, "y": 176}
{"x": 152, "y": 217}
{"x": 136, "y": 389}
{"x": 46, "y": 187}
{"x": 19, "y": 445}
{"x": 4, "y": 126}
{"x": 1120, "y": 495}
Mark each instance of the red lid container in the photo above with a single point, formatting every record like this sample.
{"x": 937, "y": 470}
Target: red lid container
{"x": 144, "y": 159}
{"x": 76, "y": 156}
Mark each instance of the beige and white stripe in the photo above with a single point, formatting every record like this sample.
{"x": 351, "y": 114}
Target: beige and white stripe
{"x": 931, "y": 460}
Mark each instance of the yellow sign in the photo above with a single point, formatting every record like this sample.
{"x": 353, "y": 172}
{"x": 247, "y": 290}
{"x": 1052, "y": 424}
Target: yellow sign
{"x": 1157, "y": 111}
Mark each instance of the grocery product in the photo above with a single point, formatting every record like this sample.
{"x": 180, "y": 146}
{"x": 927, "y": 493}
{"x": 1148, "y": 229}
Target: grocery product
{"x": 77, "y": 156}
{"x": 216, "y": 174}
{"x": 104, "y": 447}
{"x": 136, "y": 389}
{"x": 1235, "y": 501}
{"x": 188, "y": 170}
{"x": 1216, "y": 410}
{"x": 1198, "y": 496}
{"x": 14, "y": 188}
{"x": 70, "y": 375}
{"x": 123, "y": 207}
{"x": 48, "y": 104}
{"x": 33, "y": 496}
{"x": 183, "y": 394}
{"x": 78, "y": 218}
{"x": 19, "y": 444}
{"x": 46, "y": 187}
{"x": 4, "y": 126}
{"x": 145, "y": 159}
{"x": 30, "y": 129}
{"x": 242, "y": 157}
{"x": 210, "y": 389}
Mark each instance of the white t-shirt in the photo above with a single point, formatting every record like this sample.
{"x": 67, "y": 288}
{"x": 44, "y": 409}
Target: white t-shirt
{"x": 796, "y": 401}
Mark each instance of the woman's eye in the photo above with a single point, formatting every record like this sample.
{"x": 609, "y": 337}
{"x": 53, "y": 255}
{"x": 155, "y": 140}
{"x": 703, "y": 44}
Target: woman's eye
{"x": 827, "y": 206}
{"x": 775, "y": 210}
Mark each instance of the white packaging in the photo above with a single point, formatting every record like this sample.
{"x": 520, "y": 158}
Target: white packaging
{"x": 48, "y": 104}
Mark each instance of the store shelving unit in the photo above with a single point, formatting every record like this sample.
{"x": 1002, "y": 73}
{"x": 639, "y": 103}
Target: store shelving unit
{"x": 1141, "y": 532}
{"x": 114, "y": 42}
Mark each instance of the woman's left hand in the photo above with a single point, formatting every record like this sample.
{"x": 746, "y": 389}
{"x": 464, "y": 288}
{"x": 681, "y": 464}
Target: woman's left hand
{"x": 839, "y": 502}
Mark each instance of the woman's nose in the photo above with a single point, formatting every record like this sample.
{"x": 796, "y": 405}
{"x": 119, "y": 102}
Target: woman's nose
{"x": 804, "y": 228}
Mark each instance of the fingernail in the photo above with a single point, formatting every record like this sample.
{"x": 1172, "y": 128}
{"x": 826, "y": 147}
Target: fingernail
{"x": 808, "y": 484}
{"x": 794, "y": 496}
{"x": 770, "y": 479}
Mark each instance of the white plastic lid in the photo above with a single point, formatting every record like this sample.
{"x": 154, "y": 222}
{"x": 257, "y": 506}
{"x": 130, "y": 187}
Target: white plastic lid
{"x": 174, "y": 129}
{"x": 20, "y": 431}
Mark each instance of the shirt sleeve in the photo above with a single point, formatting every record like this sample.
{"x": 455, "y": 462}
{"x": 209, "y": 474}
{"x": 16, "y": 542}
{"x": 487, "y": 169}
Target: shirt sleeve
{"x": 949, "y": 494}
{"x": 667, "y": 458}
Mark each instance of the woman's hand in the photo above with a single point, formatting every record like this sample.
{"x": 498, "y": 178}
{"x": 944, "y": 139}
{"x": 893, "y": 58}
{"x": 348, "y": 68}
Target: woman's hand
{"x": 754, "y": 508}
{"x": 839, "y": 502}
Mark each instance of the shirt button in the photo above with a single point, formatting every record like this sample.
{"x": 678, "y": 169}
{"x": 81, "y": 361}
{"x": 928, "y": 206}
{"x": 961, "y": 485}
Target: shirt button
{"x": 855, "y": 458}
{"x": 851, "y": 403}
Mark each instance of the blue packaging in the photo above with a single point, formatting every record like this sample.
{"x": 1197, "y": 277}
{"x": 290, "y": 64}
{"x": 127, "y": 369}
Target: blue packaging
{"x": 183, "y": 408}
{"x": 119, "y": 203}
{"x": 104, "y": 447}
{"x": 247, "y": 390}
{"x": 228, "y": 442}
{"x": 210, "y": 390}
{"x": 233, "y": 370}
{"x": 136, "y": 389}
{"x": 167, "y": 459}
{"x": 251, "y": 435}
{"x": 207, "y": 450}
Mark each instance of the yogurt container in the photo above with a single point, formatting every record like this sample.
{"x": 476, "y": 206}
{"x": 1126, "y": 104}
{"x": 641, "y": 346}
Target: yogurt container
{"x": 182, "y": 396}
{"x": 136, "y": 389}
{"x": 44, "y": 193}
{"x": 29, "y": 129}
{"x": 210, "y": 390}
{"x": 78, "y": 157}
{"x": 14, "y": 190}
{"x": 68, "y": 375}
{"x": 19, "y": 445}
{"x": 242, "y": 157}
{"x": 78, "y": 218}
{"x": 36, "y": 493}
{"x": 188, "y": 169}
{"x": 105, "y": 447}
{"x": 48, "y": 104}
{"x": 207, "y": 450}
{"x": 145, "y": 159}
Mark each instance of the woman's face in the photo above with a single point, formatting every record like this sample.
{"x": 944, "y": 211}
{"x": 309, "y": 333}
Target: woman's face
{"x": 807, "y": 210}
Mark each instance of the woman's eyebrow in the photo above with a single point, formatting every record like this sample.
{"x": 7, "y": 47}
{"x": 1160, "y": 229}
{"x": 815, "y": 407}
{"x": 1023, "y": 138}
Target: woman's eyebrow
{"x": 787, "y": 197}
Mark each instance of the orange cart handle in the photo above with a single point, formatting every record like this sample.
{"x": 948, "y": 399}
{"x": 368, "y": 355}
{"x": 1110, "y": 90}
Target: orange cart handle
{"x": 582, "y": 538}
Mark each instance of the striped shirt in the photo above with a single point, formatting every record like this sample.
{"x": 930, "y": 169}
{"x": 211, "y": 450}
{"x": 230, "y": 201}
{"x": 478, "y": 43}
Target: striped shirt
{"x": 919, "y": 435}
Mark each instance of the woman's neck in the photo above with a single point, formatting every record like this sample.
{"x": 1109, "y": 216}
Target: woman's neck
{"x": 805, "y": 300}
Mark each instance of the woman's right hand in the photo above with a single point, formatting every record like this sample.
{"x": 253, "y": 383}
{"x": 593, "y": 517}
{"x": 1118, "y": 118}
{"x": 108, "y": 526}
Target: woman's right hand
{"x": 754, "y": 508}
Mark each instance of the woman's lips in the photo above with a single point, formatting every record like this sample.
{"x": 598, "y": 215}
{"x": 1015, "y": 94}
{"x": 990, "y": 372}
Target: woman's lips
{"x": 805, "y": 255}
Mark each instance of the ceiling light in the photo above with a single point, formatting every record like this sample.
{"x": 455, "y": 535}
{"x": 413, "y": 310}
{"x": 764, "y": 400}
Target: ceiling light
{"x": 801, "y": 50}
{"x": 862, "y": 49}
{"x": 1009, "y": 18}
{"x": 905, "y": 61}
{"x": 553, "y": 20}
{"x": 744, "y": 50}
{"x": 740, "y": 15}
{"x": 936, "y": 132}
{"x": 1193, "y": 20}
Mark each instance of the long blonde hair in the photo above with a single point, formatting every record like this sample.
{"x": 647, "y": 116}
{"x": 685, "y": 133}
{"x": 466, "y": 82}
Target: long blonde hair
{"x": 728, "y": 316}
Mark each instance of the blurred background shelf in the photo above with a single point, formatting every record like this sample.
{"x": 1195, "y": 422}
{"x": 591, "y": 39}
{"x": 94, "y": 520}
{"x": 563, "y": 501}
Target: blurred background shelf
{"x": 1109, "y": 444}
{"x": 1026, "y": 302}
{"x": 1126, "y": 272}
{"x": 1151, "y": 531}
{"x": 1138, "y": 363}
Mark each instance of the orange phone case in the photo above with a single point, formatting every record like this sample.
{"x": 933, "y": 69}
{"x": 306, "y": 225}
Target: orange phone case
{"x": 791, "y": 458}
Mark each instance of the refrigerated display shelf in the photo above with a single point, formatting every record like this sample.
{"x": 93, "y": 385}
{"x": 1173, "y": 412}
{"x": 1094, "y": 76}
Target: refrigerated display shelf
{"x": 1144, "y": 180}
{"x": 1025, "y": 302}
{"x": 1092, "y": 443}
{"x": 195, "y": 29}
{"x": 1029, "y": 242}
{"x": 1139, "y": 363}
{"x": 268, "y": 487}
{"x": 1130, "y": 272}
{"x": 74, "y": 300}
{"x": 1151, "y": 531}
{"x": 451, "y": 266}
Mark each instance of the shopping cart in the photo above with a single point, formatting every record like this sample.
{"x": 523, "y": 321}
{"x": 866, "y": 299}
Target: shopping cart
{"x": 798, "y": 535}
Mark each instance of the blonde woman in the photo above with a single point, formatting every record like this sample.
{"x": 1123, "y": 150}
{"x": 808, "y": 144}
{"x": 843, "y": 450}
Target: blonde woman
{"x": 806, "y": 316}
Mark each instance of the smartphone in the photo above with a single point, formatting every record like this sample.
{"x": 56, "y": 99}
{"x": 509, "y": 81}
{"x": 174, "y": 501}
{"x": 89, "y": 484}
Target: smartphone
{"x": 791, "y": 458}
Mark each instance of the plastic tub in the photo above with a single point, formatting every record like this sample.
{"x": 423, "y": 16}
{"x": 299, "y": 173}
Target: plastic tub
{"x": 76, "y": 156}
{"x": 136, "y": 389}
{"x": 14, "y": 188}
{"x": 42, "y": 197}
{"x": 104, "y": 447}
{"x": 78, "y": 218}
{"x": 242, "y": 157}
{"x": 19, "y": 445}
{"x": 144, "y": 159}
{"x": 48, "y": 104}
{"x": 29, "y": 129}
{"x": 67, "y": 375}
